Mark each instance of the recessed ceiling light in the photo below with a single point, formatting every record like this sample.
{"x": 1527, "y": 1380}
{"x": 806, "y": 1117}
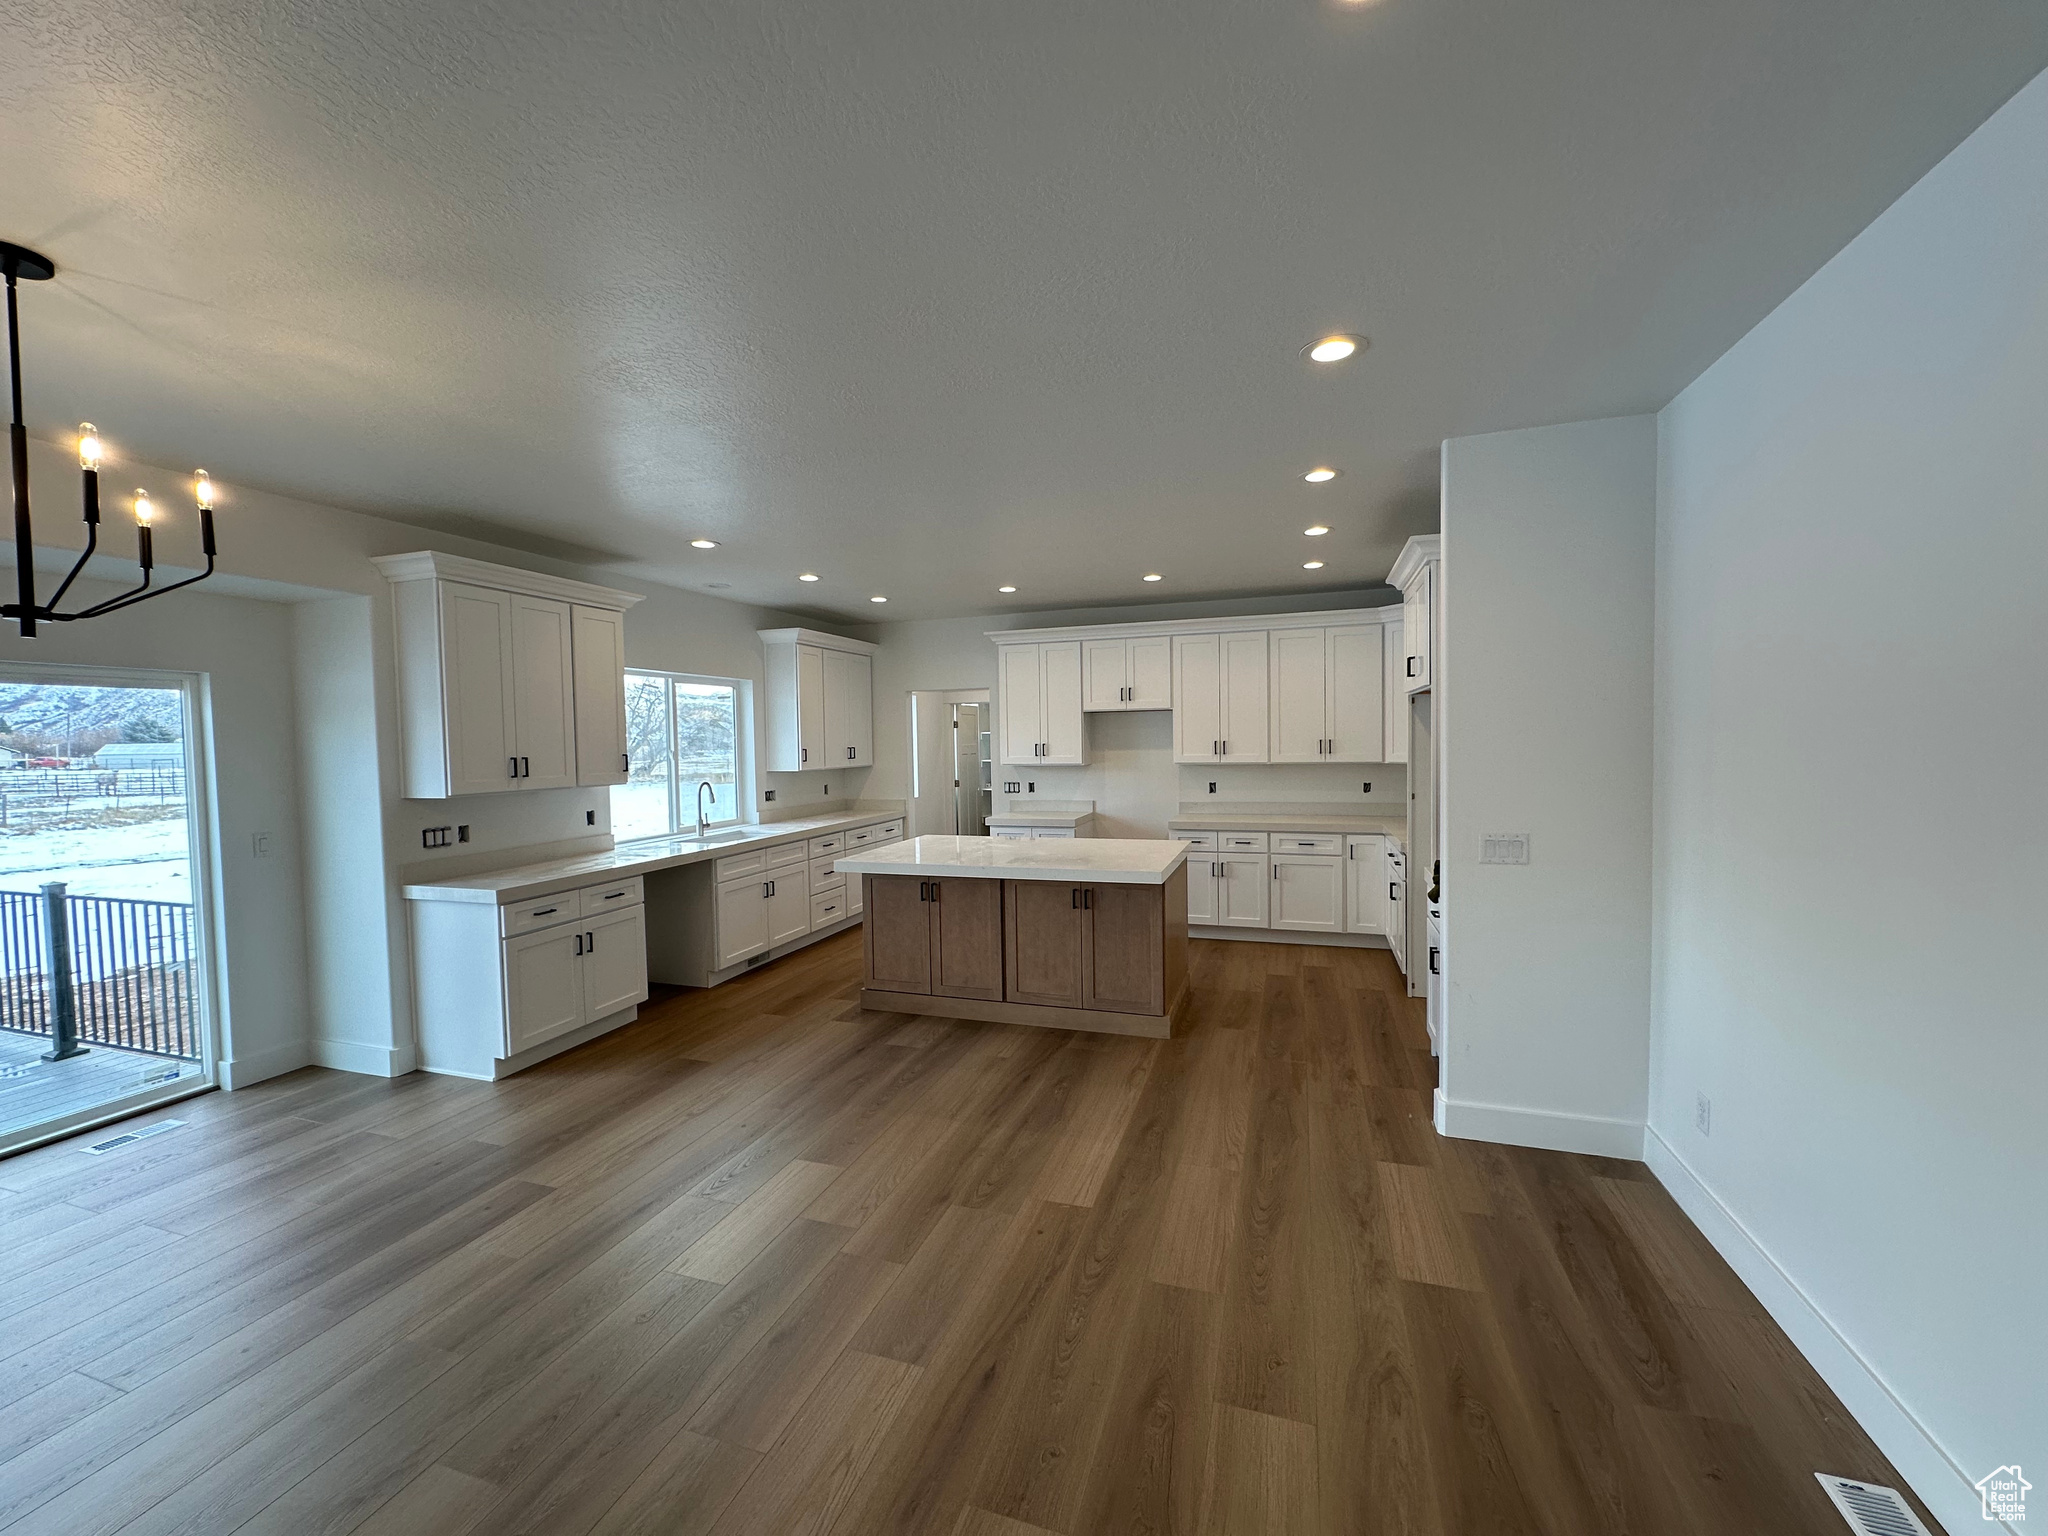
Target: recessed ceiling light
{"x": 1314, "y": 533}
{"x": 808, "y": 576}
{"x": 1155, "y": 576}
{"x": 878, "y": 599}
{"x": 1321, "y": 473}
{"x": 1006, "y": 589}
{"x": 703, "y": 543}
{"x": 1334, "y": 349}
{"x": 1311, "y": 565}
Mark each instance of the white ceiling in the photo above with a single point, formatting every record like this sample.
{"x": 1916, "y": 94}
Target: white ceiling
{"x": 926, "y": 295}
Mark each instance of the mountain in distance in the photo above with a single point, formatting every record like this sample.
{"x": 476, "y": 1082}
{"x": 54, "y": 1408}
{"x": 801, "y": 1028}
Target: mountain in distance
{"x": 47, "y": 716}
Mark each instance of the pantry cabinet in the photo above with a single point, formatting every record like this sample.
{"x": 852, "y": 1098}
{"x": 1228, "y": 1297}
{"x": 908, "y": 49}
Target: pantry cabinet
{"x": 493, "y": 694}
{"x": 1039, "y": 704}
{"x": 820, "y": 707}
{"x": 1417, "y": 573}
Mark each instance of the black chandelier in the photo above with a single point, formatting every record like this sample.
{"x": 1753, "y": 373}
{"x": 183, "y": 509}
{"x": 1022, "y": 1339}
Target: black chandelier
{"x": 21, "y": 263}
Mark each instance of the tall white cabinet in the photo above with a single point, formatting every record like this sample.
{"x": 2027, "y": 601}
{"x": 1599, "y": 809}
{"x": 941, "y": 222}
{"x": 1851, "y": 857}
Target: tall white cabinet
{"x": 1220, "y": 697}
{"x": 820, "y": 701}
{"x": 507, "y": 679}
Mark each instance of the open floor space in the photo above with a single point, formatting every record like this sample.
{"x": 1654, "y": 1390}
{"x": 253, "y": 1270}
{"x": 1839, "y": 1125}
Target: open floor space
{"x": 764, "y": 1262}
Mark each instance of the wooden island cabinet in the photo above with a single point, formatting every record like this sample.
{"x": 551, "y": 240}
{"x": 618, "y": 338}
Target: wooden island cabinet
{"x": 1085, "y": 935}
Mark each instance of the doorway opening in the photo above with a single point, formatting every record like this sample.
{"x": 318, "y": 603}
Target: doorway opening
{"x": 104, "y": 1004}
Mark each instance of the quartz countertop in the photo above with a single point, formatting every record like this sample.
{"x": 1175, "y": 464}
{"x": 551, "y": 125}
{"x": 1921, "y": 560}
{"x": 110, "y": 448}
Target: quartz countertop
{"x": 1043, "y": 816}
{"x": 1095, "y": 860}
{"x": 643, "y": 857}
{"x": 1394, "y": 825}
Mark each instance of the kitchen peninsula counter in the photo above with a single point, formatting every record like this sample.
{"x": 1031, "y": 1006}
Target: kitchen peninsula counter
{"x": 1086, "y": 934}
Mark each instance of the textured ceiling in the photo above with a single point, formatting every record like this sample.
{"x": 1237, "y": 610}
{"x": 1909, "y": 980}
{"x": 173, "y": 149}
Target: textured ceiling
{"x": 927, "y": 295}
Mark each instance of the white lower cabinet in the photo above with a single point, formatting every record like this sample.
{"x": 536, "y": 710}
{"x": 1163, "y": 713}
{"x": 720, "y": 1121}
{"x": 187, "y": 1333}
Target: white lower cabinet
{"x": 789, "y": 903}
{"x": 492, "y": 982}
{"x": 742, "y": 918}
{"x": 1228, "y": 890}
{"x": 1308, "y": 892}
{"x": 1396, "y": 868}
{"x": 1365, "y": 895}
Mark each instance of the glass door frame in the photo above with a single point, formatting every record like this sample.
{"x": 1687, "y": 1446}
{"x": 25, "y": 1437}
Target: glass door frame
{"x": 202, "y": 855}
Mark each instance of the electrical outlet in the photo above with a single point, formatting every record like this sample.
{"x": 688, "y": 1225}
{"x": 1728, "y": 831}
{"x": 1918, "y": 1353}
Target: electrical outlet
{"x": 259, "y": 845}
{"x": 1031, "y": 788}
{"x": 590, "y": 818}
{"x": 1013, "y": 787}
{"x": 1504, "y": 848}
{"x": 462, "y": 833}
{"x": 767, "y": 794}
{"x": 1366, "y": 786}
{"x": 436, "y": 837}
{"x": 1703, "y": 1115}
{"x": 828, "y": 791}
{"x": 1212, "y": 786}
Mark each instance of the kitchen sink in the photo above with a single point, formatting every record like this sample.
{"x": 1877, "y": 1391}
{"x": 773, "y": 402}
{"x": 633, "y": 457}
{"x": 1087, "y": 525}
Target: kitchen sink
{"x": 724, "y": 835}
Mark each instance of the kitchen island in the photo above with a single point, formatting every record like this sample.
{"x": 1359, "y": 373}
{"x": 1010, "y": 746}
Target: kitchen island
{"x": 1087, "y": 934}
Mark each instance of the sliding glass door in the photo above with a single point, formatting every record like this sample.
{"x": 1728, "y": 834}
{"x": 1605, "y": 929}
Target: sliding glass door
{"x": 104, "y": 1002}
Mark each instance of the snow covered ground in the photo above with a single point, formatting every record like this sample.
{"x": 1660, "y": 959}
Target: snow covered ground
{"x": 147, "y": 862}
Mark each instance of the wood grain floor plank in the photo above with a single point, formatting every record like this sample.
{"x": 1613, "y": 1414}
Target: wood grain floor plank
{"x": 1426, "y": 1228}
{"x": 1262, "y": 1474}
{"x": 730, "y": 1246}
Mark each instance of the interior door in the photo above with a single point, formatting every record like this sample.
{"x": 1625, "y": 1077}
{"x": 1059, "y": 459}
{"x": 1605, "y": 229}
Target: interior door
{"x": 614, "y": 962}
{"x": 1202, "y": 868}
{"x": 1151, "y": 673}
{"x": 967, "y": 938}
{"x": 1245, "y": 726}
{"x": 849, "y": 710}
{"x": 1105, "y": 666}
{"x": 1241, "y": 895}
{"x": 476, "y": 681}
{"x": 1123, "y": 954}
{"x": 899, "y": 933}
{"x": 1357, "y": 715}
{"x": 1197, "y": 698}
{"x": 810, "y": 709}
{"x": 1042, "y": 961}
{"x": 597, "y": 638}
{"x": 544, "y": 693}
{"x": 1060, "y": 668}
{"x": 1020, "y": 711}
{"x": 543, "y": 985}
{"x": 1300, "y": 687}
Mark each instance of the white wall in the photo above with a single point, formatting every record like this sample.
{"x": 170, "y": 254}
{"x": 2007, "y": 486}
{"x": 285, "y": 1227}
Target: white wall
{"x": 1130, "y": 774}
{"x": 1848, "y": 965}
{"x": 1542, "y": 709}
{"x": 244, "y": 648}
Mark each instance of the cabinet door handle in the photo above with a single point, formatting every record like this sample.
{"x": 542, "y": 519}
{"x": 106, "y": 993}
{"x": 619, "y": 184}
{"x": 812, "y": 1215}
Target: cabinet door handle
{"x": 1087, "y": 899}
{"x": 579, "y": 943}
{"x": 1411, "y": 664}
{"x": 525, "y": 768}
{"x": 803, "y": 754}
{"x": 1074, "y": 898}
{"x": 590, "y": 943}
{"x": 512, "y": 767}
{"x": 935, "y": 890}
{"x": 1432, "y": 961}
{"x": 1392, "y": 893}
{"x": 625, "y": 763}
{"x": 1215, "y": 749}
{"x": 1226, "y": 746}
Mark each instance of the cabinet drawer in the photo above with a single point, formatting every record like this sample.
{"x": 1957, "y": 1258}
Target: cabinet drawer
{"x": 785, "y": 855}
{"x": 1052, "y": 834}
{"x": 1198, "y": 842}
{"x": 824, "y": 877}
{"x": 735, "y": 866}
{"x": 1308, "y": 842}
{"x": 540, "y": 912}
{"x": 892, "y": 831}
{"x": 820, "y": 846}
{"x": 1013, "y": 834}
{"x": 615, "y": 897}
{"x": 1241, "y": 842}
{"x": 828, "y": 907}
{"x": 866, "y": 837}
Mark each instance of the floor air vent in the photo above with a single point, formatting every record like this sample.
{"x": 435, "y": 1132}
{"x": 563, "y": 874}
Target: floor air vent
{"x": 128, "y": 1138}
{"x": 1870, "y": 1509}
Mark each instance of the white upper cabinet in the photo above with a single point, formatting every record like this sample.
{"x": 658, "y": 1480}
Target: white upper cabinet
{"x": 1396, "y": 695}
{"x": 1220, "y": 691}
{"x": 1416, "y": 574}
{"x": 1300, "y": 695}
{"x": 820, "y": 701}
{"x": 1245, "y": 698}
{"x": 1127, "y": 674}
{"x": 1038, "y": 716}
{"x": 489, "y": 677}
{"x": 1356, "y": 732}
{"x": 598, "y": 645}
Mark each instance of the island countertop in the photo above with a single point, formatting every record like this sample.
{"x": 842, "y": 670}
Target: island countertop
{"x": 1092, "y": 860}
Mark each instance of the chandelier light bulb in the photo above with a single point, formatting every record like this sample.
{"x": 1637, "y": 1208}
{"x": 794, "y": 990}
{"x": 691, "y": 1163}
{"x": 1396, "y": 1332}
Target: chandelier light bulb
{"x": 202, "y": 490}
{"x": 88, "y": 446}
{"x": 144, "y": 509}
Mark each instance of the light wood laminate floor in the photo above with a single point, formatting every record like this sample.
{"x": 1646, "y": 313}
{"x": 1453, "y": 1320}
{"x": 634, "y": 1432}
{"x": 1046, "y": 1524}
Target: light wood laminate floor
{"x": 765, "y": 1262}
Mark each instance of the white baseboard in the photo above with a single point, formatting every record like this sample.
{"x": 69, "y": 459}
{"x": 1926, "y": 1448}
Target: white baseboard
{"x": 1289, "y": 936}
{"x": 1552, "y": 1130}
{"x": 370, "y": 1060}
{"x": 1934, "y": 1475}
{"x": 260, "y": 1066}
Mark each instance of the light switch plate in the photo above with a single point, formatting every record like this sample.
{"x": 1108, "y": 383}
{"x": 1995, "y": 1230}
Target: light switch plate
{"x": 1504, "y": 848}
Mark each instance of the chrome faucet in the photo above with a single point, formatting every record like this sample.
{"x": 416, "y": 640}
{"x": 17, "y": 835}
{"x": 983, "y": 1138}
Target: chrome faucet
{"x": 701, "y": 787}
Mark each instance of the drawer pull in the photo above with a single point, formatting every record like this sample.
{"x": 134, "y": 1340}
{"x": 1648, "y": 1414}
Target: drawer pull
{"x": 544, "y": 912}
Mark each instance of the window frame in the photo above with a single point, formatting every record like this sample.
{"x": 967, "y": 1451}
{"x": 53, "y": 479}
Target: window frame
{"x": 742, "y": 717}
